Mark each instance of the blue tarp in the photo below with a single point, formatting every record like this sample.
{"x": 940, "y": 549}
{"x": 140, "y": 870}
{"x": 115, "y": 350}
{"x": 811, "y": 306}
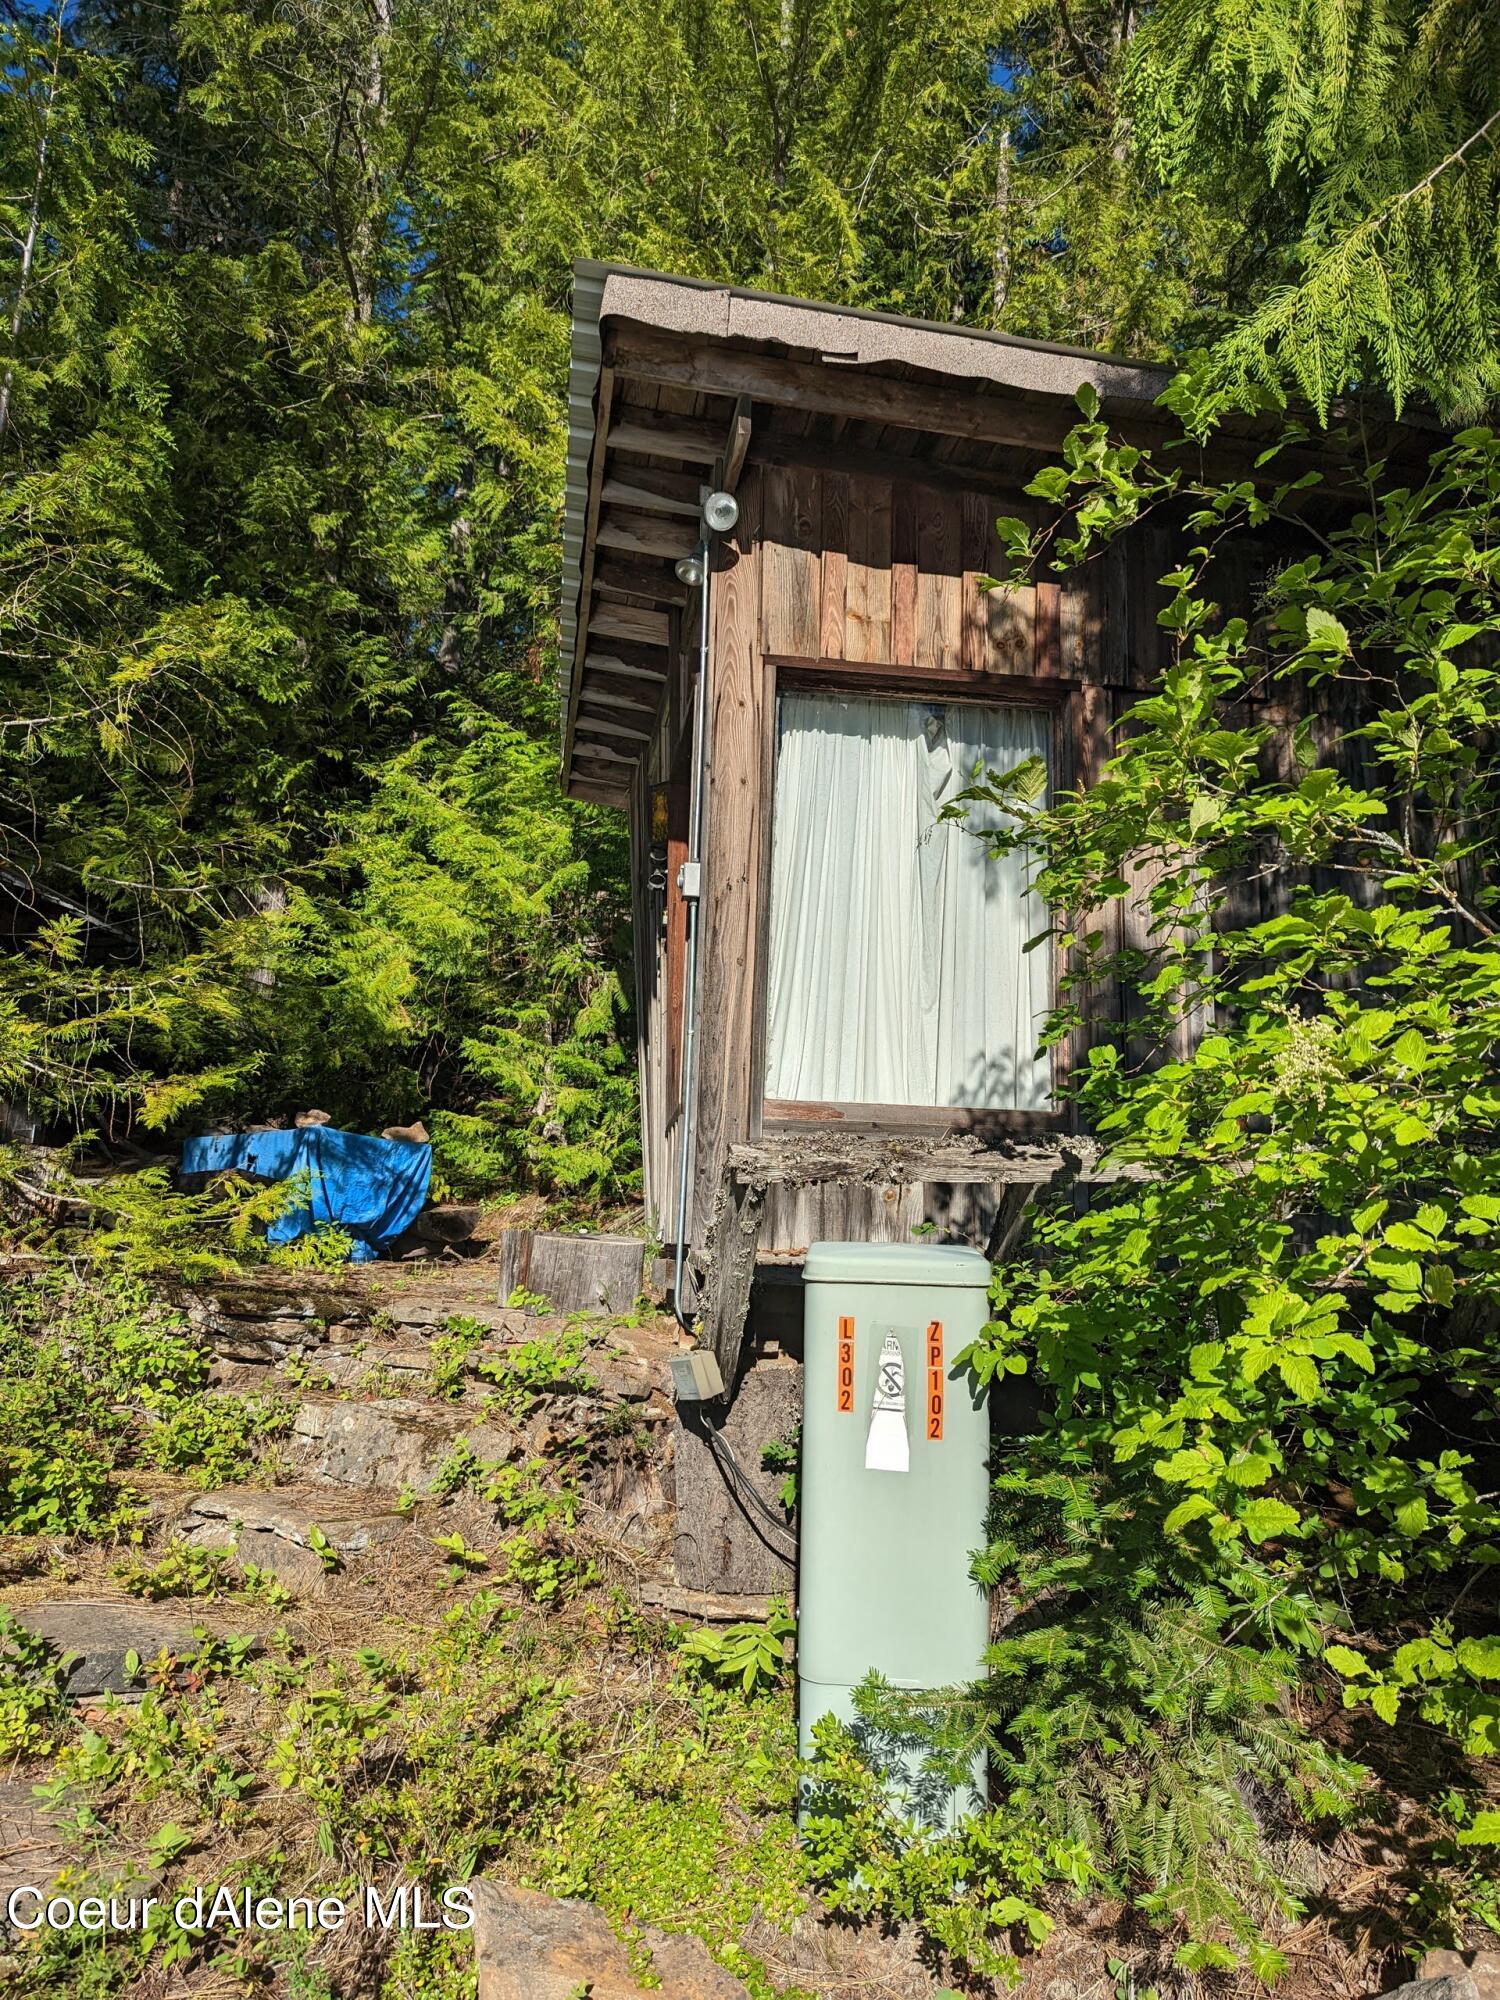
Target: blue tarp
{"x": 374, "y": 1188}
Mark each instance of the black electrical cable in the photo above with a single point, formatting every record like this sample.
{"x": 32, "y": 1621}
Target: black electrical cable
{"x": 751, "y": 1491}
{"x": 742, "y": 1490}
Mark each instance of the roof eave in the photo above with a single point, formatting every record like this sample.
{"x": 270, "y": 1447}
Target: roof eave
{"x": 846, "y": 337}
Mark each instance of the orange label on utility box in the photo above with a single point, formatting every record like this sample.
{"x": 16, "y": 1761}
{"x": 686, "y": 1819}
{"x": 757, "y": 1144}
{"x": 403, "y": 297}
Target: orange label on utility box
{"x": 935, "y": 1379}
{"x": 846, "y": 1365}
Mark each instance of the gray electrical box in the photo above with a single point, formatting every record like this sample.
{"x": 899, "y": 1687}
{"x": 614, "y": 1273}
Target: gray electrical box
{"x": 696, "y": 1377}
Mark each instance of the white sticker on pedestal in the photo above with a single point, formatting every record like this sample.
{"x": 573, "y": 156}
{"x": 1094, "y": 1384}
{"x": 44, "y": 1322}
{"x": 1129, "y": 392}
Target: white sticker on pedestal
{"x": 886, "y": 1447}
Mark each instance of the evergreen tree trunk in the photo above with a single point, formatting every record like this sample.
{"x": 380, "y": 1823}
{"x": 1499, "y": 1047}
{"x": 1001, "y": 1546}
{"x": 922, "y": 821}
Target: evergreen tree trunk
{"x": 34, "y": 217}
{"x": 1000, "y": 288}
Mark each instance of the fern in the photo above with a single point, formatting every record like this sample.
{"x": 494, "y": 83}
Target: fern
{"x": 1359, "y": 142}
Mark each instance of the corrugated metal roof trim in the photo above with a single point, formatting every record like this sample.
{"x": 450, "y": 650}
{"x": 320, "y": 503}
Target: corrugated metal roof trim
{"x": 583, "y": 379}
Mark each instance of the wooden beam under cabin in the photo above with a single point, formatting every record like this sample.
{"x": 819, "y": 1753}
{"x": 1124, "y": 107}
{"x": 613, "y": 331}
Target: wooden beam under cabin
{"x": 884, "y": 1161}
{"x": 732, "y": 1239}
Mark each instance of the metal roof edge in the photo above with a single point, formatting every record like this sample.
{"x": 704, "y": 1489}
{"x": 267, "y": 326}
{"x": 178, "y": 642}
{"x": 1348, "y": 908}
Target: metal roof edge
{"x": 584, "y": 358}
{"x": 741, "y": 312}
{"x": 948, "y": 329}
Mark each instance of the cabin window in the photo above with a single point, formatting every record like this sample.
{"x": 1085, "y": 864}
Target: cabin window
{"x": 897, "y": 969}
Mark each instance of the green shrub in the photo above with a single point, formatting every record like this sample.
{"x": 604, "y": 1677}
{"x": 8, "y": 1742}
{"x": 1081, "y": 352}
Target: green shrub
{"x": 66, "y": 1371}
{"x": 689, "y": 1826}
{"x": 752, "y": 1653}
{"x": 970, "y": 1889}
{"x": 147, "y": 1227}
{"x": 1264, "y": 1451}
{"x": 326, "y": 1248}
{"x": 216, "y": 1438}
{"x": 784, "y": 1455}
{"x": 448, "y": 1354}
{"x": 96, "y": 1376}
{"x": 33, "y": 1707}
{"x": 547, "y": 1364}
{"x": 55, "y": 1473}
{"x": 184, "y": 1570}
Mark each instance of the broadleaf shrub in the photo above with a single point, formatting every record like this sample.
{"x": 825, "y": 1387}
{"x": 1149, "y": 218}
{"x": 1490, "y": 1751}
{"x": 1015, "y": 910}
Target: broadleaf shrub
{"x": 99, "y": 1377}
{"x": 1265, "y": 1460}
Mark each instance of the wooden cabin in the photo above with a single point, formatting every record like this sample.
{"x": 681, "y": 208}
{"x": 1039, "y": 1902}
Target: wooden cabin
{"x": 864, "y": 1061}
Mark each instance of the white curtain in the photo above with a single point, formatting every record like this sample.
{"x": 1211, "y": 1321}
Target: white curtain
{"x": 897, "y": 973}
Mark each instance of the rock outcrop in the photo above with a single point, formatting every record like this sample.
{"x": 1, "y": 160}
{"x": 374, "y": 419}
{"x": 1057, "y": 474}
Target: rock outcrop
{"x": 1453, "y": 1975}
{"x": 277, "y": 1532}
{"x": 102, "y": 1632}
{"x": 534, "y": 1947}
{"x": 392, "y": 1445}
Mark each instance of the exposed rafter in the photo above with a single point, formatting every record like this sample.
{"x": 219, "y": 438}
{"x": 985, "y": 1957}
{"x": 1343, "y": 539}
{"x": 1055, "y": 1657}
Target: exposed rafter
{"x": 613, "y": 620}
{"x": 637, "y": 663}
{"x": 609, "y": 725}
{"x": 658, "y": 582}
{"x": 605, "y": 753}
{"x": 736, "y": 445}
{"x": 653, "y": 492}
{"x": 645, "y": 535}
{"x": 640, "y": 696}
{"x": 656, "y": 436}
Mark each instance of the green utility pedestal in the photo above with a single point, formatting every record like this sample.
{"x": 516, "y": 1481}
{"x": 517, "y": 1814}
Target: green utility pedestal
{"x": 894, "y": 1479}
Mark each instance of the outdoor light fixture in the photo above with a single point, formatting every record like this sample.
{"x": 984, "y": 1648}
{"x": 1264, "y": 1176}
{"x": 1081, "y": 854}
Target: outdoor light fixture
{"x": 689, "y": 570}
{"x": 720, "y": 512}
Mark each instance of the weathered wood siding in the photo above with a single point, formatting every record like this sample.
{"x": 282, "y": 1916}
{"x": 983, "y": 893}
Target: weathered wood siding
{"x": 851, "y": 569}
{"x": 736, "y": 833}
{"x": 886, "y": 572}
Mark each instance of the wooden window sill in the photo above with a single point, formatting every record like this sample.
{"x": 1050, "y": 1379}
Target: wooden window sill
{"x": 780, "y": 1114}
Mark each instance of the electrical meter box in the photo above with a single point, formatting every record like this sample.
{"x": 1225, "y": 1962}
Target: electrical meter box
{"x": 893, "y": 1488}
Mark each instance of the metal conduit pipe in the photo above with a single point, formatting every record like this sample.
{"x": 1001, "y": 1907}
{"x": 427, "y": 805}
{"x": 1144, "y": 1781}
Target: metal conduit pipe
{"x": 688, "y": 877}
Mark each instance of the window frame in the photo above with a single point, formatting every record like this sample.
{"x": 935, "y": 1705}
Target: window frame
{"x": 788, "y": 675}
